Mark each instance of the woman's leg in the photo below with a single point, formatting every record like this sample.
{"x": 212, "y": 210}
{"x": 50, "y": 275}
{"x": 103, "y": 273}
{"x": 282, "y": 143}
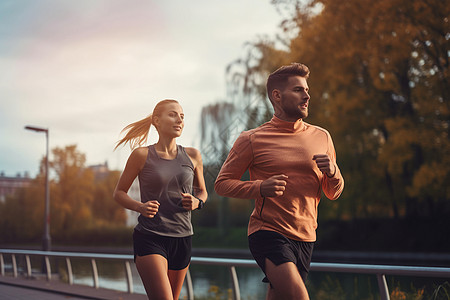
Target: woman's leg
{"x": 176, "y": 278}
{"x": 154, "y": 274}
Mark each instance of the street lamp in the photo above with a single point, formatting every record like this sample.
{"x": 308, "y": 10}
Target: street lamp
{"x": 46, "y": 241}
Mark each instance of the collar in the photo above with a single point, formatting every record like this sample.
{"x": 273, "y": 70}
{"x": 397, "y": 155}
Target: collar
{"x": 287, "y": 126}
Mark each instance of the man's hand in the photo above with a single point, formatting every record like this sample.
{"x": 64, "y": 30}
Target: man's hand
{"x": 149, "y": 208}
{"x": 325, "y": 164}
{"x": 274, "y": 186}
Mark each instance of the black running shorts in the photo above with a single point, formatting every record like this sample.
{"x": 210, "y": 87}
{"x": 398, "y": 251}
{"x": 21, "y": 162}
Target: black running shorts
{"x": 280, "y": 249}
{"x": 177, "y": 250}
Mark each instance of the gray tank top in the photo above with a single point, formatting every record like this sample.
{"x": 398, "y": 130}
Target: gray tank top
{"x": 164, "y": 180}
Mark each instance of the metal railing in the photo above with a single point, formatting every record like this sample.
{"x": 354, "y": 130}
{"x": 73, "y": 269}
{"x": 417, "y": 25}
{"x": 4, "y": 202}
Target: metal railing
{"x": 379, "y": 270}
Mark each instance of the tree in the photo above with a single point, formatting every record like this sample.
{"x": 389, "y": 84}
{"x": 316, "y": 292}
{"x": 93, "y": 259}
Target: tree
{"x": 78, "y": 202}
{"x": 73, "y": 195}
{"x": 379, "y": 83}
{"x": 390, "y": 77}
{"x": 104, "y": 209}
{"x": 22, "y": 214}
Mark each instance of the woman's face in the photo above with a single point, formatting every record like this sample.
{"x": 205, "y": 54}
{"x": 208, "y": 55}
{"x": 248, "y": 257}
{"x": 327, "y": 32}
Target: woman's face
{"x": 171, "y": 121}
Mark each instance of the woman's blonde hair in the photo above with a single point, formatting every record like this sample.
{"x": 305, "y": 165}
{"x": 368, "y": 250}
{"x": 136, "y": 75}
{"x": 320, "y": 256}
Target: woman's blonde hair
{"x": 137, "y": 132}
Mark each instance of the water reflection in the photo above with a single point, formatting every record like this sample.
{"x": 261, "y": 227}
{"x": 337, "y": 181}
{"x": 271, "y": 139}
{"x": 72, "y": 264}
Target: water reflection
{"x": 209, "y": 282}
{"x": 214, "y": 282}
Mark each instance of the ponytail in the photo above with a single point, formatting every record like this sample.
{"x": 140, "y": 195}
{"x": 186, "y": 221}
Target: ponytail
{"x": 137, "y": 133}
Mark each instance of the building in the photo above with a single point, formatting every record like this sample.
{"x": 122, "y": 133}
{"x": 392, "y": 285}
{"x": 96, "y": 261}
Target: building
{"x": 100, "y": 171}
{"x": 9, "y": 185}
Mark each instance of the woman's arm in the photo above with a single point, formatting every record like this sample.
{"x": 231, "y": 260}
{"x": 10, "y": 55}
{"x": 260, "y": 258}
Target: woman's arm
{"x": 134, "y": 165}
{"x": 191, "y": 202}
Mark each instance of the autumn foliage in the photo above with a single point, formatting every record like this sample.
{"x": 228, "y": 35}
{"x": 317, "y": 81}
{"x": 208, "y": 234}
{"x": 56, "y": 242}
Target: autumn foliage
{"x": 80, "y": 201}
{"x": 380, "y": 84}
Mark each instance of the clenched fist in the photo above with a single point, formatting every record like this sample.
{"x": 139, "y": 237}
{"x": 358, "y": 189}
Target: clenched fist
{"x": 274, "y": 186}
{"x": 189, "y": 202}
{"x": 149, "y": 208}
{"x": 325, "y": 164}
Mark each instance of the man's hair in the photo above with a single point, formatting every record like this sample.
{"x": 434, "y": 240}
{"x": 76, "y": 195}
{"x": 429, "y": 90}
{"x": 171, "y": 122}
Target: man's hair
{"x": 279, "y": 78}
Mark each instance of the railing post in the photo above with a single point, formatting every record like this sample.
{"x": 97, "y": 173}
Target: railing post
{"x": 129, "y": 277}
{"x": 2, "y": 265}
{"x": 28, "y": 262}
{"x": 383, "y": 287}
{"x": 189, "y": 286}
{"x": 14, "y": 265}
{"x": 94, "y": 273}
{"x": 235, "y": 282}
{"x": 69, "y": 271}
{"x": 47, "y": 267}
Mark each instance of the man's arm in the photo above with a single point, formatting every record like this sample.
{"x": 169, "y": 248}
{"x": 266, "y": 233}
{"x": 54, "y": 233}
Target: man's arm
{"x": 228, "y": 182}
{"x": 333, "y": 182}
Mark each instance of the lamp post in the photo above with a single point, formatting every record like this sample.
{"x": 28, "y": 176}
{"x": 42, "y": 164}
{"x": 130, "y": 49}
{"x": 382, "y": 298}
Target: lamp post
{"x": 46, "y": 240}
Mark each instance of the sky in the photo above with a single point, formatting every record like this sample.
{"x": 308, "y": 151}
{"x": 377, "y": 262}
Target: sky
{"x": 85, "y": 69}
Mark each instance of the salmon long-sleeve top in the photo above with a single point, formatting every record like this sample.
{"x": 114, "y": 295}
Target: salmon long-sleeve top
{"x": 281, "y": 147}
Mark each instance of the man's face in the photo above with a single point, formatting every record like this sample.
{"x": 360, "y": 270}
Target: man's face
{"x": 295, "y": 98}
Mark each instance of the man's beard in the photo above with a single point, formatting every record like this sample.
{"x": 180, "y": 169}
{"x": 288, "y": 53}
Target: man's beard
{"x": 296, "y": 113}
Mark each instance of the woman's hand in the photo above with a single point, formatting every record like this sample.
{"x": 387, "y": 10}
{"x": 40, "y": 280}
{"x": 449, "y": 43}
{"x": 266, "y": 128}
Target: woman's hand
{"x": 189, "y": 202}
{"x": 149, "y": 208}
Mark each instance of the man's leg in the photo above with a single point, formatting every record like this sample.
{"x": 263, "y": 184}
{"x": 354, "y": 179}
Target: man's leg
{"x": 285, "y": 282}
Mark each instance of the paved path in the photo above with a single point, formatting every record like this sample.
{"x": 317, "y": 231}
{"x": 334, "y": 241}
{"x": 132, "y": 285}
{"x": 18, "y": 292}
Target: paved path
{"x": 10, "y": 292}
{"x": 22, "y": 288}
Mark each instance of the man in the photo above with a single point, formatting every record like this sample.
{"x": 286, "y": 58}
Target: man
{"x": 290, "y": 163}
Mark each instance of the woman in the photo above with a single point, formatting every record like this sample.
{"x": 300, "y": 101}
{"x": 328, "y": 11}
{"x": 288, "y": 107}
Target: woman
{"x": 171, "y": 186}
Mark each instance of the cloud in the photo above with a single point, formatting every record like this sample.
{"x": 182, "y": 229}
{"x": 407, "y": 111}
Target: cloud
{"x": 85, "y": 69}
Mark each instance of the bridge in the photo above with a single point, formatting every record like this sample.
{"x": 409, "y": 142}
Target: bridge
{"x": 24, "y": 280}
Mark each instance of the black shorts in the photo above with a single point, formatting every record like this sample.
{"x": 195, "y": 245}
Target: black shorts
{"x": 280, "y": 249}
{"x": 177, "y": 250}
